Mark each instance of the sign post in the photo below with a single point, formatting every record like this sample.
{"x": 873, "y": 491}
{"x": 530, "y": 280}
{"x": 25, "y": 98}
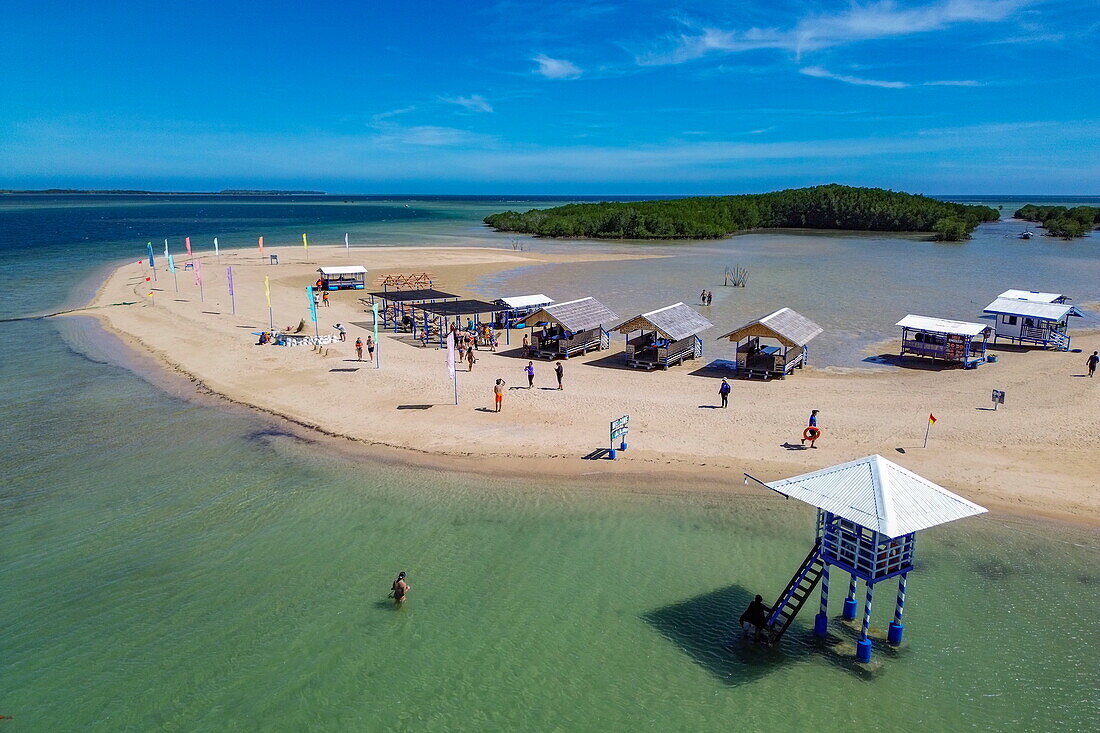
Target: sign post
{"x": 998, "y": 398}
{"x": 619, "y": 429}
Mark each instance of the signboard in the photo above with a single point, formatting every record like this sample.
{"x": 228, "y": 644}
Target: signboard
{"x": 998, "y": 398}
{"x": 620, "y": 427}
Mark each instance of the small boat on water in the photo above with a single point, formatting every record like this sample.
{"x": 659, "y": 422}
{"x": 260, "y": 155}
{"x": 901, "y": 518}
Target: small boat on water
{"x": 1026, "y": 234}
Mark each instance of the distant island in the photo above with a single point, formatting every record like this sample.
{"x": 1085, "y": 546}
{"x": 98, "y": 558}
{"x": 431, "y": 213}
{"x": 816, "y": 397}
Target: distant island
{"x": 129, "y": 192}
{"x": 711, "y": 217}
{"x": 1060, "y": 221}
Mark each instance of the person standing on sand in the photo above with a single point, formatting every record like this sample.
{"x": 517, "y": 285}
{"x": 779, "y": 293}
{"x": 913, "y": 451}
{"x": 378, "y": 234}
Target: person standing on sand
{"x": 359, "y": 348}
{"x": 498, "y": 393}
{"x": 1092, "y": 362}
{"x": 559, "y": 370}
{"x": 526, "y": 344}
{"x": 342, "y": 331}
{"x": 370, "y": 348}
{"x": 400, "y": 589}
{"x": 724, "y": 392}
{"x": 529, "y": 370}
{"x": 470, "y": 359}
{"x": 324, "y": 299}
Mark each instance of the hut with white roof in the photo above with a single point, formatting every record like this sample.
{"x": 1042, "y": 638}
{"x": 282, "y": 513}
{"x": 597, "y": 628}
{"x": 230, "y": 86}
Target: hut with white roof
{"x": 667, "y": 336}
{"x": 516, "y": 308}
{"x": 1030, "y": 317}
{"x": 939, "y": 338}
{"x": 343, "y": 277}
{"x": 785, "y": 347}
{"x": 570, "y": 328}
{"x": 868, "y": 513}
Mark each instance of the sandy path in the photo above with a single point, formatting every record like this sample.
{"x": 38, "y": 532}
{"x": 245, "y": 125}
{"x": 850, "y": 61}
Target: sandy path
{"x": 1039, "y": 455}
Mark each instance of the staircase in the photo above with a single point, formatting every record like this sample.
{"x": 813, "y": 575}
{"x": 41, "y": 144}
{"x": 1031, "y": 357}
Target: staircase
{"x": 1059, "y": 339}
{"x": 697, "y": 350}
{"x": 792, "y": 599}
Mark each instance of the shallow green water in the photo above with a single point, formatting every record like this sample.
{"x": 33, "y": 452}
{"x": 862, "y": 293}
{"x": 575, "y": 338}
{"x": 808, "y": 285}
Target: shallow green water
{"x": 234, "y": 578}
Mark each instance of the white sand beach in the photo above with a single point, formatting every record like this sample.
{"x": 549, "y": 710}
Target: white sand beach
{"x": 1038, "y": 455}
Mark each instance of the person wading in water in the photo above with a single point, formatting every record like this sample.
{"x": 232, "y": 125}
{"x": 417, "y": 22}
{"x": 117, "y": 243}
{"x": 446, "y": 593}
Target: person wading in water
{"x": 400, "y": 588}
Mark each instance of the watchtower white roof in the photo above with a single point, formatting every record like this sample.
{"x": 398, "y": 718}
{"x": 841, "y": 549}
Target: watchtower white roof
{"x": 1034, "y": 296}
{"x": 878, "y": 494}
{"x": 342, "y": 270}
{"x": 943, "y": 325}
{"x": 525, "y": 301}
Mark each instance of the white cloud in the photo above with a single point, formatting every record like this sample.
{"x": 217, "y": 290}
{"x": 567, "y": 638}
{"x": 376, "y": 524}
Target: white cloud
{"x": 877, "y": 20}
{"x": 426, "y": 136}
{"x": 822, "y": 73}
{"x": 472, "y": 103}
{"x": 555, "y": 68}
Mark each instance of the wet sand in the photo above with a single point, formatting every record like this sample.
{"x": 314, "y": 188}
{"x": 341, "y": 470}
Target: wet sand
{"x": 1037, "y": 456}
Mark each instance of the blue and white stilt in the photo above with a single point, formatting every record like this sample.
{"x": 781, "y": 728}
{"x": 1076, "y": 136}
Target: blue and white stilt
{"x": 850, "y": 605}
{"x": 821, "y": 621}
{"x": 863, "y": 646}
{"x": 897, "y": 630}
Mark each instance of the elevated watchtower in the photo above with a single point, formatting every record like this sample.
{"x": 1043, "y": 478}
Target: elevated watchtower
{"x": 868, "y": 514}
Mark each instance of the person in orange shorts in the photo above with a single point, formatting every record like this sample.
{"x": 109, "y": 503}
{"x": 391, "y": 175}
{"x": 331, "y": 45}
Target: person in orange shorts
{"x": 498, "y": 393}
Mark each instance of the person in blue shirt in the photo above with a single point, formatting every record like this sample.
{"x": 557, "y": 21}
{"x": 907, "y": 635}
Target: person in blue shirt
{"x": 724, "y": 392}
{"x": 812, "y": 423}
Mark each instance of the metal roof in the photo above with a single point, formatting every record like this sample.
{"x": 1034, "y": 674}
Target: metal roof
{"x": 408, "y": 296}
{"x": 676, "y": 321}
{"x": 790, "y": 327}
{"x": 1034, "y": 296}
{"x": 525, "y": 301}
{"x": 878, "y": 494}
{"x": 574, "y": 315}
{"x": 342, "y": 270}
{"x": 943, "y": 325}
{"x": 1032, "y": 309}
{"x": 451, "y": 308}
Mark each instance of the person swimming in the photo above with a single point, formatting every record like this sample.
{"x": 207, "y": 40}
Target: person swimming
{"x": 400, "y": 588}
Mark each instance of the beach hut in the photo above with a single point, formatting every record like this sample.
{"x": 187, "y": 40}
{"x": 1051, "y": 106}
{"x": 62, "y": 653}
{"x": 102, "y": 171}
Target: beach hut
{"x": 441, "y": 313}
{"x": 868, "y": 513}
{"x": 396, "y": 307}
{"x": 570, "y": 328}
{"x": 1033, "y": 318}
{"x": 516, "y": 308}
{"x": 348, "y": 277}
{"x": 667, "y": 336}
{"x": 786, "y": 336}
{"x": 940, "y": 338}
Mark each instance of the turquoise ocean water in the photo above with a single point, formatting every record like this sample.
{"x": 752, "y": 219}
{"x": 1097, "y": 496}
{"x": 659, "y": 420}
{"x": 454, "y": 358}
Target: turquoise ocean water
{"x": 170, "y": 564}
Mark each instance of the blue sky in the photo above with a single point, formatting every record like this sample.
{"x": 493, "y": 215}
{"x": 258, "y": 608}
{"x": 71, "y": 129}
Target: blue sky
{"x": 937, "y": 96}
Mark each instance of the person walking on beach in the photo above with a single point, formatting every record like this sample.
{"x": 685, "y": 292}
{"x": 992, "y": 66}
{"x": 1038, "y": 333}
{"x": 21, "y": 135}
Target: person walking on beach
{"x": 370, "y": 348}
{"x": 559, "y": 370}
{"x": 529, "y": 370}
{"x": 526, "y": 344}
{"x": 498, "y": 393}
{"x": 359, "y": 349}
{"x": 811, "y": 429}
{"x": 724, "y": 392}
{"x": 342, "y": 331}
{"x": 400, "y": 589}
{"x": 1092, "y": 362}
{"x": 470, "y": 359}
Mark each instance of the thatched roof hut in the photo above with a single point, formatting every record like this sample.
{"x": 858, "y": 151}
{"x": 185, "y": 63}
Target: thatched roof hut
{"x": 786, "y": 326}
{"x": 792, "y": 330}
{"x": 675, "y": 322}
{"x": 574, "y": 315}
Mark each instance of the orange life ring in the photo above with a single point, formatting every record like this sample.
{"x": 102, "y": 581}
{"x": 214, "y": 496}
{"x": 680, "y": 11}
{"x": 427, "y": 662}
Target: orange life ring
{"x": 811, "y": 433}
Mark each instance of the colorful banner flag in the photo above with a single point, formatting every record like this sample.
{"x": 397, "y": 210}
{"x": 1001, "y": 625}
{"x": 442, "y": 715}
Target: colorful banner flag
{"x": 267, "y": 290}
{"x": 166, "y": 249}
{"x": 931, "y": 419}
{"x": 216, "y": 253}
{"x": 187, "y": 244}
{"x": 198, "y": 273}
{"x": 171, "y": 264}
{"x": 312, "y": 303}
{"x": 151, "y": 263}
{"x": 229, "y": 279}
{"x": 451, "y": 354}
{"x": 305, "y": 242}
{"x": 261, "y": 248}
{"x": 347, "y": 245}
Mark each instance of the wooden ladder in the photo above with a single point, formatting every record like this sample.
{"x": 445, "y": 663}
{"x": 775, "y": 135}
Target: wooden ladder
{"x": 794, "y": 596}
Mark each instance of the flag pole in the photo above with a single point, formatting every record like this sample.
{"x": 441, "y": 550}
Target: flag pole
{"x": 927, "y": 429}
{"x": 377, "y": 349}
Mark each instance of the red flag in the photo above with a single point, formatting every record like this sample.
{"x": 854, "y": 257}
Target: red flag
{"x": 931, "y": 419}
